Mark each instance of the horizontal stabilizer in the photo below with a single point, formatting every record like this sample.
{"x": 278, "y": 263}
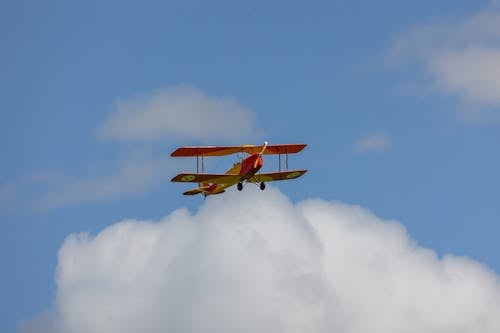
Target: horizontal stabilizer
{"x": 193, "y": 191}
{"x": 204, "y": 191}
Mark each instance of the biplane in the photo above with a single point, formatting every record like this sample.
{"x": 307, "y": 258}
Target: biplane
{"x": 246, "y": 170}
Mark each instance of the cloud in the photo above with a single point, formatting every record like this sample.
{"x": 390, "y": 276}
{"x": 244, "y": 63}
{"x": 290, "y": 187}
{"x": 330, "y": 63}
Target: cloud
{"x": 459, "y": 58}
{"x": 179, "y": 112}
{"x": 49, "y": 190}
{"x": 255, "y": 262}
{"x": 374, "y": 143}
{"x": 169, "y": 114}
{"x": 129, "y": 177}
{"x": 473, "y": 72}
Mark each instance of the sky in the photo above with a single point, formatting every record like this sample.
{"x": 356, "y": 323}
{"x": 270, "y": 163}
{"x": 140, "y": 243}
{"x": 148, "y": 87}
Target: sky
{"x": 399, "y": 103}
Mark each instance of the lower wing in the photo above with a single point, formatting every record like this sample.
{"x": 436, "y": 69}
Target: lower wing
{"x": 274, "y": 176}
{"x": 206, "y": 178}
{"x": 233, "y": 179}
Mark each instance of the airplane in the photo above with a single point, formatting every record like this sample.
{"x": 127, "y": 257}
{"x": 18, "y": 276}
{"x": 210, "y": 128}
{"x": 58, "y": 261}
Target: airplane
{"x": 246, "y": 170}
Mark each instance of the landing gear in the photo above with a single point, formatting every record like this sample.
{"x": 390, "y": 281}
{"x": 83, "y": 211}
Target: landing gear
{"x": 262, "y": 186}
{"x": 239, "y": 186}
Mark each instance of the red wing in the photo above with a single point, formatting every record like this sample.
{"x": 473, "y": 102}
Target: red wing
{"x": 284, "y": 149}
{"x": 206, "y": 178}
{"x": 274, "y": 176}
{"x": 228, "y": 150}
{"x": 205, "y": 151}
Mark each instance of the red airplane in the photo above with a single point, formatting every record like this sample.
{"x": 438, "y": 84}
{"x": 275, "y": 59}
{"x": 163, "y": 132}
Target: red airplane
{"x": 243, "y": 171}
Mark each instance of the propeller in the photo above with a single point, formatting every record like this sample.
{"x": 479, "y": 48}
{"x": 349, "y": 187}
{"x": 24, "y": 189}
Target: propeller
{"x": 263, "y": 148}
{"x": 256, "y": 163}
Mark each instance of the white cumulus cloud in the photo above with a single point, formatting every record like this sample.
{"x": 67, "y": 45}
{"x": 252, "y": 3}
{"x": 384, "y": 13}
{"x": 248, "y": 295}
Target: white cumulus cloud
{"x": 179, "y": 112}
{"x": 255, "y": 262}
{"x": 460, "y": 58}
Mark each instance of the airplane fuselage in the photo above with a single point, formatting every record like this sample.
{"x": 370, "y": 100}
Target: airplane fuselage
{"x": 251, "y": 165}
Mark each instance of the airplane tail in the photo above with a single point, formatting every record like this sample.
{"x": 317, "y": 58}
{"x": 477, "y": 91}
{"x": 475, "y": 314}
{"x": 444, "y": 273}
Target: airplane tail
{"x": 205, "y": 189}
{"x": 193, "y": 191}
{"x": 201, "y": 189}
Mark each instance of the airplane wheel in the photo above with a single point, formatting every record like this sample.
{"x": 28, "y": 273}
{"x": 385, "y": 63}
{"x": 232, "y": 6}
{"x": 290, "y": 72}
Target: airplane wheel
{"x": 240, "y": 186}
{"x": 262, "y": 186}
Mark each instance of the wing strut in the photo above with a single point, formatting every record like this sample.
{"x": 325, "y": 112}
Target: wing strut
{"x": 286, "y": 152}
{"x": 198, "y": 164}
{"x": 286, "y": 161}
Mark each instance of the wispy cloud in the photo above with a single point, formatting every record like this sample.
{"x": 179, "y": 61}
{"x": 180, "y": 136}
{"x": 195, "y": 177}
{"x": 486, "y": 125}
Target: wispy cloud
{"x": 8, "y": 193}
{"x": 374, "y": 143}
{"x": 460, "y": 58}
{"x": 48, "y": 190}
{"x": 315, "y": 266}
{"x": 161, "y": 117}
{"x": 127, "y": 178}
{"x": 179, "y": 112}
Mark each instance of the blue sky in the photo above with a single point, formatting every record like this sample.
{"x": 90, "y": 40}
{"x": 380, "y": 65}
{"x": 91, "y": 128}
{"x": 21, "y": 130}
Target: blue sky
{"x": 398, "y": 102}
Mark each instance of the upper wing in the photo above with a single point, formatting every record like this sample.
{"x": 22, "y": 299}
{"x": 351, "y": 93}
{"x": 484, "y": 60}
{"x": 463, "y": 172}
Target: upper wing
{"x": 205, "y": 151}
{"x": 227, "y": 150}
{"x": 273, "y": 176}
{"x": 284, "y": 149}
{"x": 206, "y": 178}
